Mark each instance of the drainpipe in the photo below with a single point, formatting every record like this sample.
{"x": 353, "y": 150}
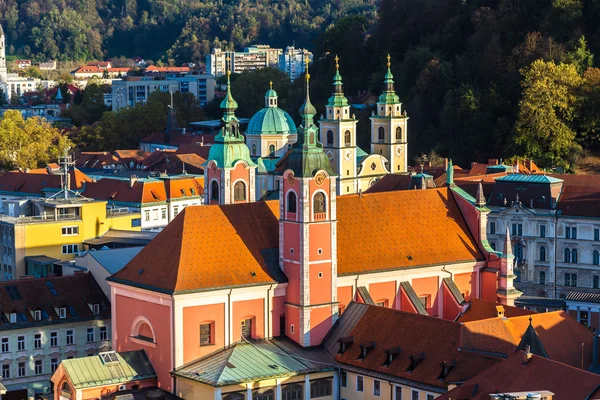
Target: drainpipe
{"x": 448, "y": 272}
{"x": 555, "y": 254}
{"x": 230, "y": 328}
{"x": 269, "y": 333}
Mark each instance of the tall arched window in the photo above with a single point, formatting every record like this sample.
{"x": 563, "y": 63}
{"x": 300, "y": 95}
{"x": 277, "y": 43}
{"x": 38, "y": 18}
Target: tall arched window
{"x": 347, "y": 138}
{"x": 542, "y": 253}
{"x": 381, "y": 133}
{"x": 291, "y": 202}
{"x": 329, "y": 138}
{"x": 319, "y": 205}
{"x": 574, "y": 256}
{"x": 596, "y": 257}
{"x": 234, "y": 396}
{"x": 65, "y": 390}
{"x": 214, "y": 191}
{"x": 239, "y": 191}
{"x": 272, "y": 150}
{"x": 567, "y": 255}
{"x": 292, "y": 391}
{"x": 254, "y": 149}
{"x": 398, "y": 133}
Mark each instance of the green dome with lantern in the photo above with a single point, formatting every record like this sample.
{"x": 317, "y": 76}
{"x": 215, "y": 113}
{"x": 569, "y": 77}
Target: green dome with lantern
{"x": 271, "y": 120}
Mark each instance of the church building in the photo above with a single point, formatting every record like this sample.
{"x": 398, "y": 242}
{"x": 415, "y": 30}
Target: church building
{"x": 238, "y": 269}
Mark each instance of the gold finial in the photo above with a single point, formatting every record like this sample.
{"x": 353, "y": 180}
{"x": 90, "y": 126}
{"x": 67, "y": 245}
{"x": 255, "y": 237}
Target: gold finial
{"x": 389, "y": 63}
{"x": 306, "y": 61}
{"x": 271, "y": 85}
{"x": 337, "y": 62}
{"x": 227, "y": 65}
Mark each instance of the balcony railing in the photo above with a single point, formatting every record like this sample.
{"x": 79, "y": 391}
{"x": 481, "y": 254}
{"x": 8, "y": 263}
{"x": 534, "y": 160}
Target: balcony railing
{"x": 320, "y": 216}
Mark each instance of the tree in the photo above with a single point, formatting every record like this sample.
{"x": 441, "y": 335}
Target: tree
{"x": 29, "y": 143}
{"x": 544, "y": 128}
{"x": 3, "y": 97}
{"x": 581, "y": 56}
{"x": 589, "y": 112}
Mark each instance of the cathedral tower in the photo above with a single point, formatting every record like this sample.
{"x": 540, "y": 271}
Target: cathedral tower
{"x": 3, "y": 74}
{"x": 307, "y": 226}
{"x": 229, "y": 173}
{"x": 338, "y": 135}
{"x": 388, "y": 126}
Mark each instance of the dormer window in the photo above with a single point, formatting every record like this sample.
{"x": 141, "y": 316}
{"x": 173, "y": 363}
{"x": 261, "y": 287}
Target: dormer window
{"x": 446, "y": 368}
{"x": 390, "y": 356}
{"x": 183, "y": 192}
{"x": 193, "y": 191}
{"x": 415, "y": 361}
{"x": 345, "y": 342}
{"x": 13, "y": 318}
{"x": 96, "y": 309}
{"x": 37, "y": 315}
{"x": 62, "y": 313}
{"x": 365, "y": 349}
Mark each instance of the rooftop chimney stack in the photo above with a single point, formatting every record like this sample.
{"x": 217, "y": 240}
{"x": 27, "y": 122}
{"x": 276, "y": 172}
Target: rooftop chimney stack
{"x": 527, "y": 355}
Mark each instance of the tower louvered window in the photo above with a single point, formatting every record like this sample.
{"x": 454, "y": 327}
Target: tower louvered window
{"x": 291, "y": 204}
{"x": 214, "y": 191}
{"x": 398, "y": 133}
{"x": 347, "y": 138}
{"x": 381, "y": 133}
{"x": 239, "y": 191}
{"x": 319, "y": 203}
{"x": 329, "y": 138}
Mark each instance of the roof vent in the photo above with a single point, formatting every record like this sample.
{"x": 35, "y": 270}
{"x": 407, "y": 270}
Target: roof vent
{"x": 140, "y": 271}
{"x": 531, "y": 396}
{"x": 409, "y": 257}
{"x": 253, "y": 274}
{"x": 345, "y": 342}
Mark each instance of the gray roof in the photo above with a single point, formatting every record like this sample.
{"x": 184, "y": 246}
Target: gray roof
{"x": 343, "y": 326}
{"x": 256, "y": 361}
{"x": 454, "y": 290}
{"x": 115, "y": 259}
{"x": 583, "y": 297}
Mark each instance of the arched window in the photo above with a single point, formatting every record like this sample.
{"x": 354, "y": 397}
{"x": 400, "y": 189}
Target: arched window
{"x": 329, "y": 138}
{"x": 263, "y": 394}
{"x": 65, "y": 390}
{"x": 142, "y": 330}
{"x": 291, "y": 202}
{"x": 319, "y": 205}
{"x": 214, "y": 191}
{"x": 347, "y": 138}
{"x": 574, "y": 256}
{"x": 398, "y": 133}
{"x": 254, "y": 149}
{"x": 272, "y": 150}
{"x": 292, "y": 391}
{"x": 493, "y": 246}
{"x": 596, "y": 257}
{"x": 381, "y": 133}
{"x": 542, "y": 253}
{"x": 239, "y": 191}
{"x": 567, "y": 255}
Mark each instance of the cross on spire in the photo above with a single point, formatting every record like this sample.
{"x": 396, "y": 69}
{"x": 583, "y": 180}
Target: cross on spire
{"x": 270, "y": 84}
{"x": 337, "y": 62}
{"x": 306, "y": 62}
{"x": 389, "y": 61}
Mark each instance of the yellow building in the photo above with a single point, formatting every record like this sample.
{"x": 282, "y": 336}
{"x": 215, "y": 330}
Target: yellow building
{"x": 37, "y": 234}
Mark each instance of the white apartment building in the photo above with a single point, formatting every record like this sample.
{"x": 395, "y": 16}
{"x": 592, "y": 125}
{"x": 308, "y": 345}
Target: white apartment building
{"x": 291, "y": 61}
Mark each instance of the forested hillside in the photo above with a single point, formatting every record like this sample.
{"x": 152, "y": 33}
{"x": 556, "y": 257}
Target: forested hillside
{"x": 467, "y": 73}
{"x": 172, "y": 30}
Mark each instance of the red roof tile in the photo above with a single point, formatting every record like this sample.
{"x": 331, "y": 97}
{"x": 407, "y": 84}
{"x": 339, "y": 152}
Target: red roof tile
{"x": 483, "y": 309}
{"x": 139, "y": 192}
{"x": 539, "y": 373}
{"x": 394, "y": 221}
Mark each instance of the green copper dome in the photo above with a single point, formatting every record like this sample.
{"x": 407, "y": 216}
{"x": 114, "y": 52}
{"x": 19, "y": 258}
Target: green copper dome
{"x": 271, "y": 121}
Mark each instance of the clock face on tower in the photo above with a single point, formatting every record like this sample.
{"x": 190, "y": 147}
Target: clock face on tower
{"x": 398, "y": 151}
{"x": 320, "y": 178}
{"x": 347, "y": 154}
{"x": 330, "y": 154}
{"x": 291, "y": 180}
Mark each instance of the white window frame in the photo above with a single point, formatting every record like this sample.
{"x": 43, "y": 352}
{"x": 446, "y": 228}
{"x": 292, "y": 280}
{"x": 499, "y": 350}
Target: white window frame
{"x": 103, "y": 332}
{"x": 70, "y": 334}
{"x": 90, "y": 329}
{"x": 23, "y": 369}
{"x": 24, "y": 342}
{"x": 375, "y": 394}
{"x": 54, "y": 365}
{"x": 41, "y": 340}
{"x": 363, "y": 383}
{"x": 35, "y": 367}
{"x": 13, "y": 318}
{"x": 37, "y": 315}
{"x": 70, "y": 230}
{"x": 8, "y": 371}
{"x": 54, "y": 335}
{"x": 96, "y": 309}
{"x": 5, "y": 341}
{"x": 62, "y": 313}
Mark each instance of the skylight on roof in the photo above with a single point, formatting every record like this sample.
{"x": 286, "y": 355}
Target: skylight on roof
{"x": 13, "y": 292}
{"x": 53, "y": 291}
{"x": 109, "y": 357}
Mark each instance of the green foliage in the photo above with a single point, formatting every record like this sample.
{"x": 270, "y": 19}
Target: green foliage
{"x": 547, "y": 110}
{"x": 580, "y": 56}
{"x": 30, "y": 143}
{"x": 184, "y": 29}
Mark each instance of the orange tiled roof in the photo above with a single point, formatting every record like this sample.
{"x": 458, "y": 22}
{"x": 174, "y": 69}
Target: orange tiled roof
{"x": 375, "y": 232}
{"x": 555, "y": 330}
{"x": 539, "y": 373}
{"x": 154, "y": 68}
{"x": 483, "y": 309}
{"x": 140, "y": 192}
{"x": 181, "y": 187}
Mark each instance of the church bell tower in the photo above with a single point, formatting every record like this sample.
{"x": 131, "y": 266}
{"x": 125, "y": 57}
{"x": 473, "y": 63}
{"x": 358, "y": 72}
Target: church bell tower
{"x": 307, "y": 226}
{"x": 3, "y": 73}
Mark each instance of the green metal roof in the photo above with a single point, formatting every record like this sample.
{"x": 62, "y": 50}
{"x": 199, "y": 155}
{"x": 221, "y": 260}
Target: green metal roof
{"x": 523, "y": 178}
{"x": 271, "y": 121}
{"x": 389, "y": 95}
{"x": 337, "y": 99}
{"x": 256, "y": 361}
{"x": 92, "y": 371}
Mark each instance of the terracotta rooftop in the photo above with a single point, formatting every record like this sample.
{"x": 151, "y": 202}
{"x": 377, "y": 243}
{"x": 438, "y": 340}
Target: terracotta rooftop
{"x": 154, "y": 68}
{"x": 37, "y": 183}
{"x": 482, "y": 309}
{"x": 48, "y": 295}
{"x": 243, "y": 232}
{"x": 140, "y": 192}
{"x": 538, "y": 373}
{"x": 95, "y": 159}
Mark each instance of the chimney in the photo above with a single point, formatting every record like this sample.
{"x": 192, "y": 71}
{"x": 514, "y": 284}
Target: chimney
{"x": 527, "y": 355}
{"x": 132, "y": 180}
{"x": 493, "y": 161}
{"x": 445, "y": 164}
{"x": 500, "y": 311}
{"x": 473, "y": 163}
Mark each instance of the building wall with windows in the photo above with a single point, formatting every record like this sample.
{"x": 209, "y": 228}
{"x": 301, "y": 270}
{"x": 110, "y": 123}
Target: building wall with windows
{"x": 56, "y": 232}
{"x": 554, "y": 254}
{"x": 356, "y": 386}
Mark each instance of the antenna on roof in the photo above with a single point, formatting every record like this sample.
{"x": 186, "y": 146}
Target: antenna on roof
{"x": 65, "y": 163}
{"x": 183, "y": 169}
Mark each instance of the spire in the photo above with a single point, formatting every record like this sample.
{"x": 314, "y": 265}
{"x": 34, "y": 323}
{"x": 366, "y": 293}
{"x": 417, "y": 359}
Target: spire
{"x": 389, "y": 95}
{"x": 228, "y": 104}
{"x": 450, "y": 173}
{"x": 337, "y": 98}
{"x": 480, "y": 198}
{"x": 307, "y": 110}
{"x": 507, "y": 244}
